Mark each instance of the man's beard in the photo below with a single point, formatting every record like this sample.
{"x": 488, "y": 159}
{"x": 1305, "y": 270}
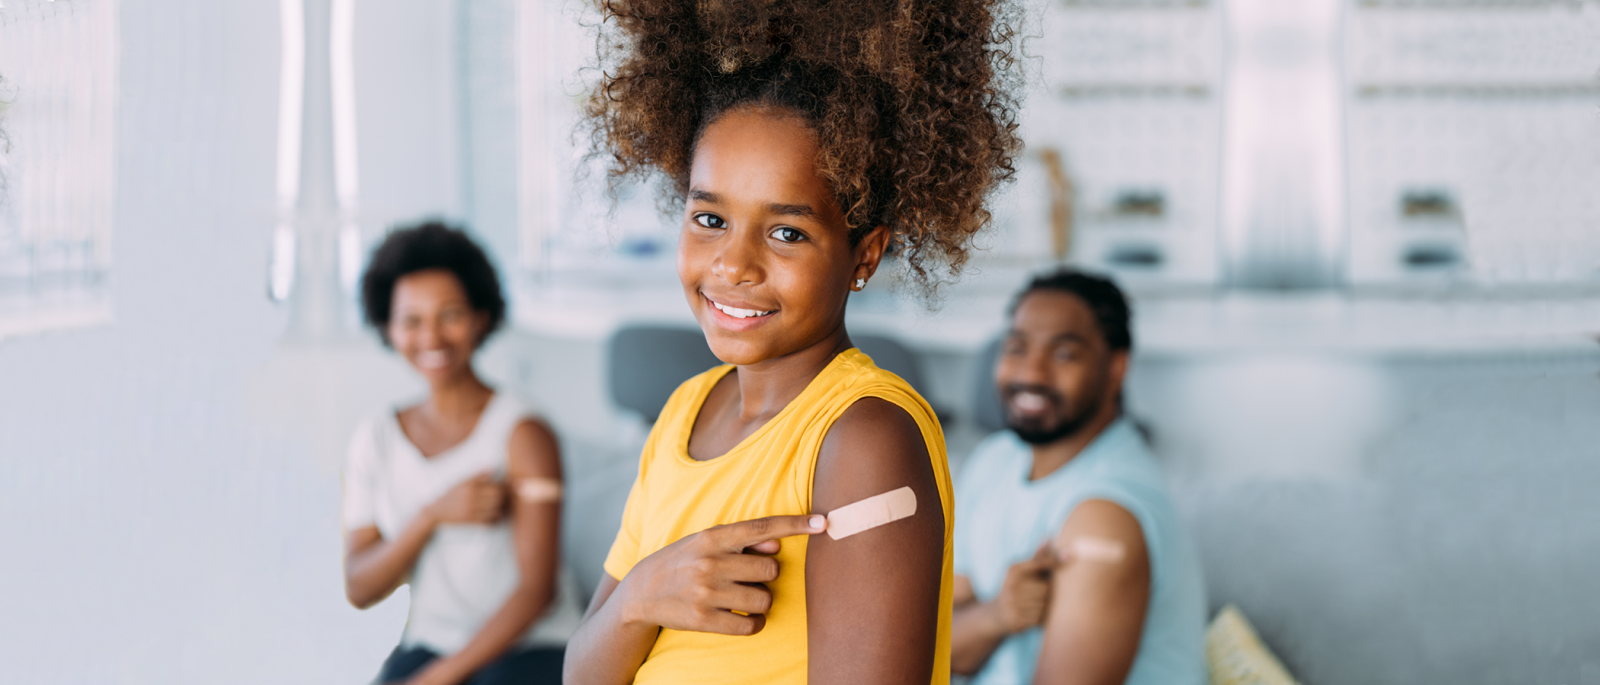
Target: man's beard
{"x": 1039, "y": 433}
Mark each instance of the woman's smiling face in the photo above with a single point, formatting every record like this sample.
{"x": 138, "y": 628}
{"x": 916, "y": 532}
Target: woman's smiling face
{"x": 765, "y": 256}
{"x": 433, "y": 325}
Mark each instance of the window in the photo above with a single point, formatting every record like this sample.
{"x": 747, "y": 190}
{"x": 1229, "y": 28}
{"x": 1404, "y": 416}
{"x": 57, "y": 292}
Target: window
{"x": 570, "y": 233}
{"x": 58, "y": 78}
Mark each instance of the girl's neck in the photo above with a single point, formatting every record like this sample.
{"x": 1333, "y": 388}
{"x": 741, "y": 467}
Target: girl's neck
{"x": 766, "y": 387}
{"x": 461, "y": 396}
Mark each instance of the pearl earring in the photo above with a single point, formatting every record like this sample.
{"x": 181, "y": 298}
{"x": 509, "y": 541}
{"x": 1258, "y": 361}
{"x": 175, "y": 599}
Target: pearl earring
{"x": 861, "y": 283}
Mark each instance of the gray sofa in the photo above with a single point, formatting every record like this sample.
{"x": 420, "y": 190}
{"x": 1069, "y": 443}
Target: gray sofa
{"x": 1379, "y": 520}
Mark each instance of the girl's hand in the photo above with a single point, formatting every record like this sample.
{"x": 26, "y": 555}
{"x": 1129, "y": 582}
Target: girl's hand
{"x": 698, "y": 582}
{"x": 479, "y": 499}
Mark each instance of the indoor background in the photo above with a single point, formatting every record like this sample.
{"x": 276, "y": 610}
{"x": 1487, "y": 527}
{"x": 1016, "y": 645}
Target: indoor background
{"x": 1362, "y": 239}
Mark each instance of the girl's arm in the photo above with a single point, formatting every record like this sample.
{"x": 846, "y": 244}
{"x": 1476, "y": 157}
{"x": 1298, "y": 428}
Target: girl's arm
{"x": 872, "y": 599}
{"x": 536, "y": 532}
{"x": 693, "y": 584}
{"x": 607, "y": 648}
{"x": 375, "y": 567}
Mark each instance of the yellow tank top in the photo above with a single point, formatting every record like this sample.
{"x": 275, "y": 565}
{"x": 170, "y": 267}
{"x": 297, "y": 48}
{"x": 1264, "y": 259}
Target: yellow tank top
{"x": 767, "y": 474}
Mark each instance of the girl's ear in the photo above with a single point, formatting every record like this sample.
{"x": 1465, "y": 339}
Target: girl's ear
{"x": 869, "y": 252}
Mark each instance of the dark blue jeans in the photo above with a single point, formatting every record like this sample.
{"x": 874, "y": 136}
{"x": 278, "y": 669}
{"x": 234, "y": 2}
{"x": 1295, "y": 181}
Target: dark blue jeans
{"x": 531, "y": 666}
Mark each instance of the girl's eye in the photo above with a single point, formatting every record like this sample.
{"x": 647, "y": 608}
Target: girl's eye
{"x": 787, "y": 234}
{"x": 710, "y": 221}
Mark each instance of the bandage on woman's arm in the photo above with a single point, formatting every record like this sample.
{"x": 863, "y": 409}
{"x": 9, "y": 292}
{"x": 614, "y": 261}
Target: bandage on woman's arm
{"x": 872, "y": 598}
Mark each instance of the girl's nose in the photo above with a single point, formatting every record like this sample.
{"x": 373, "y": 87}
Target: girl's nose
{"x": 738, "y": 262}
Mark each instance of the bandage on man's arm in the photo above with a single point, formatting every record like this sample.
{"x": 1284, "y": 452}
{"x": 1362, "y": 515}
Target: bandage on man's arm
{"x": 1098, "y": 597}
{"x": 1090, "y": 548}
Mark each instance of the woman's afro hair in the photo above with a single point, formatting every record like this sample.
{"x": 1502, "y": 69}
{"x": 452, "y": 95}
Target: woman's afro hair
{"x": 422, "y": 247}
{"x": 912, "y": 100}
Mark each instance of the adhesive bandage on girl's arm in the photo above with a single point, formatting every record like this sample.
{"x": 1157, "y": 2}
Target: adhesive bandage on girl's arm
{"x": 871, "y": 512}
{"x": 538, "y": 490}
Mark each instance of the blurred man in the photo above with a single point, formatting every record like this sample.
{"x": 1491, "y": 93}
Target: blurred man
{"x": 1071, "y": 565}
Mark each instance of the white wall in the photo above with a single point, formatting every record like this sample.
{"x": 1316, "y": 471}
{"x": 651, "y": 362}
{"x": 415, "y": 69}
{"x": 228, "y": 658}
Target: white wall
{"x": 406, "y": 111}
{"x": 159, "y": 529}
{"x": 169, "y": 482}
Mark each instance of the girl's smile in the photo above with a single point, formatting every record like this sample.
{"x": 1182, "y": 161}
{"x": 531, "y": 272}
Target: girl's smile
{"x": 733, "y": 316}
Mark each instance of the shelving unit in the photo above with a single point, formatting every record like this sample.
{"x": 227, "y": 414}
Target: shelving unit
{"x": 1473, "y": 145}
{"x": 1127, "y": 96}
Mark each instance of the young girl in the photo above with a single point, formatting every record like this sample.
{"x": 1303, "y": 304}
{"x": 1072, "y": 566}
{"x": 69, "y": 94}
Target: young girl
{"x": 458, "y": 494}
{"x": 806, "y": 139}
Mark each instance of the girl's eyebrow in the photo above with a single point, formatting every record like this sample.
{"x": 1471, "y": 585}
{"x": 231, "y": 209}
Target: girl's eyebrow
{"x": 792, "y": 210}
{"x": 781, "y": 209}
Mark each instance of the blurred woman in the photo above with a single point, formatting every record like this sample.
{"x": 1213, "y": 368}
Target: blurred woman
{"x": 458, "y": 494}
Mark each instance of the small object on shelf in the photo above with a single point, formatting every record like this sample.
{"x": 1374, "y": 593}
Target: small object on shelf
{"x": 1136, "y": 256}
{"x": 1430, "y": 257}
{"x": 1428, "y": 204}
{"x": 640, "y": 247}
{"x": 1140, "y": 203}
{"x": 1062, "y": 197}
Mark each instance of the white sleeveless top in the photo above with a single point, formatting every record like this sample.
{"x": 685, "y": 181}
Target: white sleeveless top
{"x": 466, "y": 571}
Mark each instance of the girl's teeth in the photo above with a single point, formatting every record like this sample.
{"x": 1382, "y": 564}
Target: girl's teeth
{"x": 738, "y": 313}
{"x": 432, "y": 359}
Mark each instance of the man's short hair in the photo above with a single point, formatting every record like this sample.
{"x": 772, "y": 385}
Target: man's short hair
{"x": 1105, "y": 300}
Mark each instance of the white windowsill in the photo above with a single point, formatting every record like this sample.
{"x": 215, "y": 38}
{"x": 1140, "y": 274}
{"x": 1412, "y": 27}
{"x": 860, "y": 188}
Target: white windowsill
{"x": 24, "y": 321}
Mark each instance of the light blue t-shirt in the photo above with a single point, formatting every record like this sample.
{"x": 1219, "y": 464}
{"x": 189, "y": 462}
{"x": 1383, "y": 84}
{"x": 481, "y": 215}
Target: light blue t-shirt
{"x": 1002, "y": 518}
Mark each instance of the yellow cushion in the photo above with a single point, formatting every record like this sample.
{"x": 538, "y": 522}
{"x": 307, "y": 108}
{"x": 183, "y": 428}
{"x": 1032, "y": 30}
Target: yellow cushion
{"x": 1237, "y": 655}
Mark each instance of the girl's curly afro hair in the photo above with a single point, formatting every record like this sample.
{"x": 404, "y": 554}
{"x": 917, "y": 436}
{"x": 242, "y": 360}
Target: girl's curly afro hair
{"x": 912, "y": 100}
